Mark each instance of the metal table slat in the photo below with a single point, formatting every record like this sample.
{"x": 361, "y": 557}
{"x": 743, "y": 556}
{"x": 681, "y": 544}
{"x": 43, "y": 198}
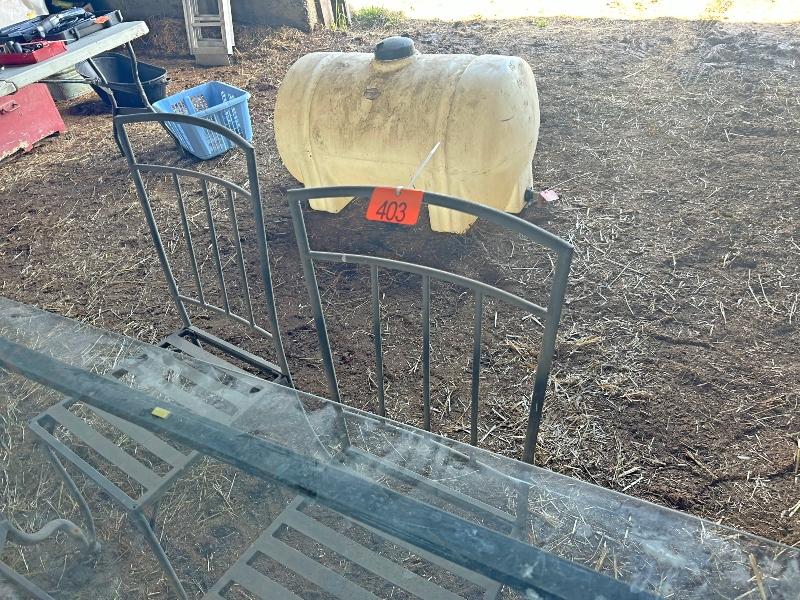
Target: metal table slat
{"x": 259, "y": 584}
{"x": 105, "y": 447}
{"x": 309, "y": 569}
{"x": 367, "y": 558}
{"x": 150, "y": 441}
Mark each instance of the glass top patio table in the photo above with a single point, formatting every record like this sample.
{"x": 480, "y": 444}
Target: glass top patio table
{"x": 473, "y": 523}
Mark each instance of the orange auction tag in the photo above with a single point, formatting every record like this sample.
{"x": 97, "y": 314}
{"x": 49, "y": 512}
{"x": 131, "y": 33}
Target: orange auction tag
{"x": 387, "y": 206}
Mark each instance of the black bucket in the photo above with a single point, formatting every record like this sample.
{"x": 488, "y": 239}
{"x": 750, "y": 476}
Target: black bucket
{"x": 118, "y": 71}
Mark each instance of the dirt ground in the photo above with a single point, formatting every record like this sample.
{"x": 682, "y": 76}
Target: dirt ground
{"x": 674, "y": 148}
{"x": 758, "y": 11}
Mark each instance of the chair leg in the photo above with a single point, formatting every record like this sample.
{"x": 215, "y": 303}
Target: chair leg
{"x": 30, "y": 589}
{"x": 86, "y": 512}
{"x": 154, "y": 514}
{"x": 142, "y": 522}
{"x": 139, "y": 519}
{"x": 520, "y": 530}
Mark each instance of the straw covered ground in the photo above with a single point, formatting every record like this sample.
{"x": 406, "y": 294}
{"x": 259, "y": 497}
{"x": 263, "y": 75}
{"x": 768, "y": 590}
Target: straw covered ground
{"x": 673, "y": 146}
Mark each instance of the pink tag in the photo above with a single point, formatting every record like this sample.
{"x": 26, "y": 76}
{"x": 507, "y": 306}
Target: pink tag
{"x": 548, "y": 196}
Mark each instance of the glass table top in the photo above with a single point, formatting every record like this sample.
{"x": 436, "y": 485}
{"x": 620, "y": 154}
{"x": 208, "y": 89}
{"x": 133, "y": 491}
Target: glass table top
{"x": 325, "y": 501}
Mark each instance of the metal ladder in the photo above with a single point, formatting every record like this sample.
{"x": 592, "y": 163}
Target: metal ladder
{"x": 209, "y": 51}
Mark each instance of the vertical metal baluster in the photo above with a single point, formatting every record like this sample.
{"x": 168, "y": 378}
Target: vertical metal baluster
{"x": 376, "y": 333}
{"x": 545, "y": 362}
{"x": 240, "y": 256}
{"x": 520, "y": 529}
{"x": 188, "y": 236}
{"x": 310, "y": 276}
{"x": 125, "y": 145}
{"x": 215, "y": 248}
{"x": 476, "y": 368}
{"x": 263, "y": 262}
{"x": 426, "y": 352}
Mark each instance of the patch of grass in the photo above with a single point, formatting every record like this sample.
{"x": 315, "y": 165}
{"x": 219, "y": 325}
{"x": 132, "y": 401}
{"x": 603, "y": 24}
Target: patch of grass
{"x": 340, "y": 18}
{"x": 377, "y": 16}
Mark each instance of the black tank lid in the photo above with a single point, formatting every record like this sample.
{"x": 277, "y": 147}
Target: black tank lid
{"x": 394, "y": 48}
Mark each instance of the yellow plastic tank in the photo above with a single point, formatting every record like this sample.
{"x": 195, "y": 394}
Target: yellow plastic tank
{"x": 352, "y": 118}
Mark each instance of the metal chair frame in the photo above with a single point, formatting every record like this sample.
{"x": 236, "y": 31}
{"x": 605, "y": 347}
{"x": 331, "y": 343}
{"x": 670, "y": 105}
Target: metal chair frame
{"x": 153, "y": 484}
{"x": 257, "y": 583}
{"x": 280, "y": 372}
{"x": 550, "y": 314}
{"x": 261, "y": 586}
{"x": 186, "y": 340}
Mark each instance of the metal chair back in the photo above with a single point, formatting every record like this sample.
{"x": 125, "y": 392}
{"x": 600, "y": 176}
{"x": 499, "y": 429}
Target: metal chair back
{"x": 200, "y": 297}
{"x": 549, "y": 314}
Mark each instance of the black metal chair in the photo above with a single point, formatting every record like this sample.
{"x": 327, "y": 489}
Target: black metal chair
{"x": 244, "y": 577}
{"x": 190, "y": 337}
{"x": 551, "y": 314}
{"x": 299, "y": 517}
{"x": 91, "y": 428}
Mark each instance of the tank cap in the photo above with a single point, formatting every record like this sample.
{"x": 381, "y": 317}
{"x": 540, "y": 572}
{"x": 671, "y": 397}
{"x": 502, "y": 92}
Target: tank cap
{"x": 394, "y": 48}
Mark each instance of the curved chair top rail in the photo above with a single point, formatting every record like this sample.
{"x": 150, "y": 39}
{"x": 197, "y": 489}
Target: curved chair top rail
{"x": 196, "y": 174}
{"x": 545, "y": 238}
{"x": 503, "y": 219}
{"x": 148, "y": 117}
{"x": 467, "y": 282}
{"x": 246, "y": 147}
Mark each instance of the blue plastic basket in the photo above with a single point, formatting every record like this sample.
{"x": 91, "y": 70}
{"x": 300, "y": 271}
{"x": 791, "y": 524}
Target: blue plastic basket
{"x": 215, "y": 101}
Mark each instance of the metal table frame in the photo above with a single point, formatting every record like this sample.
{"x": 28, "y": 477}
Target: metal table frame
{"x": 14, "y": 78}
{"x": 529, "y": 570}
